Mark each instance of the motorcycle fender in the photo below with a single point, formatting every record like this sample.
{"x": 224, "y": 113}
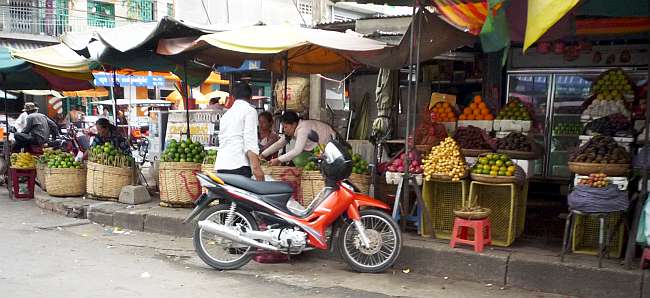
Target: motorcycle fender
{"x": 204, "y": 201}
{"x": 364, "y": 201}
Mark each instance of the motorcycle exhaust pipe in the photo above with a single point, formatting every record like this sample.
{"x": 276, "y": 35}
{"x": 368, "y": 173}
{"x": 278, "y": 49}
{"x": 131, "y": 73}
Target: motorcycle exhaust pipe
{"x": 234, "y": 236}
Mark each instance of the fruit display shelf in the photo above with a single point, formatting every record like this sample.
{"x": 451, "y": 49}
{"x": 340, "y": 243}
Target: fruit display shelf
{"x": 486, "y": 125}
{"x": 512, "y": 125}
{"x": 584, "y": 168}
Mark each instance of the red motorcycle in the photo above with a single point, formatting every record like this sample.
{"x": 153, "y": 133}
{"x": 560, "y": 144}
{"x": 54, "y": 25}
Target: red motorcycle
{"x": 227, "y": 235}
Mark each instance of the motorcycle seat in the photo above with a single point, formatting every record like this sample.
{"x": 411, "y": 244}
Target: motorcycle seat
{"x": 256, "y": 187}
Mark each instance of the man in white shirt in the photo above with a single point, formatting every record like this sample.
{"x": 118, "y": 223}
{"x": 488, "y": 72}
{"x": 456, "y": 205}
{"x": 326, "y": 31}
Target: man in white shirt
{"x": 298, "y": 129}
{"x": 238, "y": 147}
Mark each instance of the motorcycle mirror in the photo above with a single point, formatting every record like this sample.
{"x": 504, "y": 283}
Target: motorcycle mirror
{"x": 313, "y": 136}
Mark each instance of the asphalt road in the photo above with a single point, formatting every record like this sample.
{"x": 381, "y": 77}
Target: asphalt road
{"x": 46, "y": 255}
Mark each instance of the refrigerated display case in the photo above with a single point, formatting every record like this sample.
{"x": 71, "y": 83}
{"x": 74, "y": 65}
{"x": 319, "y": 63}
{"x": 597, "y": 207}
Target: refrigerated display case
{"x": 555, "y": 98}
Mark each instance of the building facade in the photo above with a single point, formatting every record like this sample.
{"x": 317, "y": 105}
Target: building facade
{"x": 34, "y": 23}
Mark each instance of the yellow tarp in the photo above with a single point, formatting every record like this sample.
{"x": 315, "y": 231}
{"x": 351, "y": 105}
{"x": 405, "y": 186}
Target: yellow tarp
{"x": 57, "y": 58}
{"x": 542, "y": 15}
{"x": 97, "y": 92}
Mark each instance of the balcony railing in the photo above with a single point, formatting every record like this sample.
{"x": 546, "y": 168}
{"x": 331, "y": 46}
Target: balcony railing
{"x": 53, "y": 21}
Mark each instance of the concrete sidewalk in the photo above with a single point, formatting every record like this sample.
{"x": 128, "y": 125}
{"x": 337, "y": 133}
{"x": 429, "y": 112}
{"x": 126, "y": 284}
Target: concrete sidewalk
{"x": 520, "y": 267}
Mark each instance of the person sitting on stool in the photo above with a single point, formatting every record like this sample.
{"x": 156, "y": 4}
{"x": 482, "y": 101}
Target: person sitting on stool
{"x": 37, "y": 131}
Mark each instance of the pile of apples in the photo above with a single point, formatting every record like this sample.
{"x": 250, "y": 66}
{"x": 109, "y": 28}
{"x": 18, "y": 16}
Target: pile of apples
{"x": 399, "y": 164}
{"x": 595, "y": 180}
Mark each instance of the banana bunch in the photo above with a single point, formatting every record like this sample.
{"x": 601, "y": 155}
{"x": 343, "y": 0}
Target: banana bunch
{"x": 23, "y": 160}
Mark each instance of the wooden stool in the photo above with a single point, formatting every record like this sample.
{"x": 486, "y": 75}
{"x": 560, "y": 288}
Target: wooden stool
{"x": 481, "y": 229}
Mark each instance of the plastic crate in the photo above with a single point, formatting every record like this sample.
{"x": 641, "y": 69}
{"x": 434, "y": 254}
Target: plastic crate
{"x": 503, "y": 200}
{"x": 441, "y": 199}
{"x": 585, "y": 235}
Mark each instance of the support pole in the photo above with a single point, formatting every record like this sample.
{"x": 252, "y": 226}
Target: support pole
{"x": 113, "y": 97}
{"x": 286, "y": 80}
{"x": 630, "y": 251}
{"x": 185, "y": 86}
{"x": 7, "y": 146}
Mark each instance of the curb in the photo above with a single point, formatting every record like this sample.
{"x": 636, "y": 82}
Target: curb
{"x": 495, "y": 266}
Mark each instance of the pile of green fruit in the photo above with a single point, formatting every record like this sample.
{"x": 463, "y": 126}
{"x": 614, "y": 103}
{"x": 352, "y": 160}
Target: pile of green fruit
{"x": 359, "y": 165}
{"x": 514, "y": 110}
{"x": 494, "y": 165}
{"x": 612, "y": 85}
{"x": 109, "y": 155}
{"x": 210, "y": 157}
{"x": 184, "y": 151}
{"x": 58, "y": 159}
{"x": 568, "y": 128}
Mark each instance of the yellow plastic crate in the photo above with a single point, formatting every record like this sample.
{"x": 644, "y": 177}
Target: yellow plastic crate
{"x": 441, "y": 199}
{"x": 503, "y": 200}
{"x": 521, "y": 209}
{"x": 585, "y": 235}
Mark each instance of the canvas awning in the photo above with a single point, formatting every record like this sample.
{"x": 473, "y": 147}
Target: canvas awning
{"x": 97, "y": 92}
{"x": 18, "y": 74}
{"x": 314, "y": 50}
{"x": 308, "y": 50}
{"x": 58, "y": 58}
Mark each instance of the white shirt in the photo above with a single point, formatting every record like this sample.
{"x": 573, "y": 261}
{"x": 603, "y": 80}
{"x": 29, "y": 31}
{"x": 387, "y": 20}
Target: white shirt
{"x": 237, "y": 135}
{"x": 21, "y": 122}
{"x": 324, "y": 131}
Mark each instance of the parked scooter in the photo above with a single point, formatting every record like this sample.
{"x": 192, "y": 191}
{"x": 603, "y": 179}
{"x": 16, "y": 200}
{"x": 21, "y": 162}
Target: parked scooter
{"x": 229, "y": 234}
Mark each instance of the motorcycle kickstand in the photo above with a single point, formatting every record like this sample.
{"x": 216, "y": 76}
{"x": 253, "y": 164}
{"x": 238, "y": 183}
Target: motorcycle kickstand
{"x": 289, "y": 251}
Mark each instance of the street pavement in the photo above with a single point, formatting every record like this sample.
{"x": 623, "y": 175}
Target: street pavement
{"x": 47, "y": 255}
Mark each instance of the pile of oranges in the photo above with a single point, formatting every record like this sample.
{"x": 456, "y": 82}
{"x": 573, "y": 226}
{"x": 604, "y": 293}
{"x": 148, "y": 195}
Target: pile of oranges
{"x": 444, "y": 112}
{"x": 477, "y": 110}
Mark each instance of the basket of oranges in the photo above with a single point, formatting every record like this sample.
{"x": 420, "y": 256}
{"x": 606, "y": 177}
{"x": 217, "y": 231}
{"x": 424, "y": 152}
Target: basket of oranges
{"x": 445, "y": 113}
{"x": 477, "y": 114}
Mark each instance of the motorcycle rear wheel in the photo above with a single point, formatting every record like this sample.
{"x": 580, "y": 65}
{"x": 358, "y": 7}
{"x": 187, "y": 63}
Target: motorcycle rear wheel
{"x": 209, "y": 246}
{"x": 385, "y": 239}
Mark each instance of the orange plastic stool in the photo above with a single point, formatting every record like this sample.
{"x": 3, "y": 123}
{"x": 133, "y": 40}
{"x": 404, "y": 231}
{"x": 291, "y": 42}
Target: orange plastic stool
{"x": 645, "y": 259}
{"x": 481, "y": 229}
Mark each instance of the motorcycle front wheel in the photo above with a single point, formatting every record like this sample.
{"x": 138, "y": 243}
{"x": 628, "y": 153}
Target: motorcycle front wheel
{"x": 385, "y": 243}
{"x": 216, "y": 251}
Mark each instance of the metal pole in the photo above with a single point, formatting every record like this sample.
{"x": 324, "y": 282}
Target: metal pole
{"x": 113, "y": 96}
{"x": 185, "y": 86}
{"x": 7, "y": 146}
{"x": 407, "y": 175}
{"x": 640, "y": 202}
{"x": 286, "y": 79}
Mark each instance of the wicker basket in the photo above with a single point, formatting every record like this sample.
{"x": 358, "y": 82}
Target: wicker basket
{"x": 493, "y": 179}
{"x": 475, "y": 214}
{"x": 65, "y": 182}
{"x": 41, "y": 168}
{"x": 614, "y": 170}
{"x": 311, "y": 183}
{"x": 179, "y": 186}
{"x": 207, "y": 168}
{"x": 290, "y": 175}
{"x": 474, "y": 152}
{"x": 361, "y": 181}
{"x": 106, "y": 182}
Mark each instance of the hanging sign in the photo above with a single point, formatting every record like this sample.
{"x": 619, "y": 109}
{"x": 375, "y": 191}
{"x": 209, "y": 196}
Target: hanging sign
{"x": 106, "y": 80}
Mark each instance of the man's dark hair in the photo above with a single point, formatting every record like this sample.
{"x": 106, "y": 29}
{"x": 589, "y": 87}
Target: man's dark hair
{"x": 267, "y": 115}
{"x": 243, "y": 91}
{"x": 103, "y": 123}
{"x": 290, "y": 117}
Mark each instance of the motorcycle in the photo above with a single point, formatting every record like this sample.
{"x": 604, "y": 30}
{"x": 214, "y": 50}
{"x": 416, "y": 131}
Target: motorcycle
{"x": 227, "y": 235}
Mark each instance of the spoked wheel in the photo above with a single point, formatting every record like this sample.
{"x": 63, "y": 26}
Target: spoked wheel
{"x": 219, "y": 252}
{"x": 385, "y": 243}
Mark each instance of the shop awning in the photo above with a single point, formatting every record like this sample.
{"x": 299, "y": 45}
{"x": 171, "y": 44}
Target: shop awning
{"x": 18, "y": 74}
{"x": 466, "y": 15}
{"x": 308, "y": 50}
{"x": 58, "y": 58}
{"x": 313, "y": 50}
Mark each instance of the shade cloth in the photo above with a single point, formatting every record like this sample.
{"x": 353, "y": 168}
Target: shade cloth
{"x": 314, "y": 50}
{"x": 57, "y": 57}
{"x": 18, "y": 74}
{"x": 133, "y": 102}
{"x": 97, "y": 92}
